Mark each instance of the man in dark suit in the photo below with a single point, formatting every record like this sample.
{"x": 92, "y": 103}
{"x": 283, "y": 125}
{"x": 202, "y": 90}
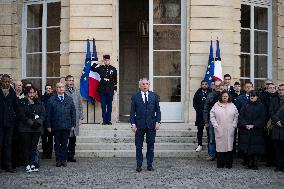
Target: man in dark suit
{"x": 61, "y": 119}
{"x": 145, "y": 117}
{"x": 227, "y": 81}
{"x": 243, "y": 99}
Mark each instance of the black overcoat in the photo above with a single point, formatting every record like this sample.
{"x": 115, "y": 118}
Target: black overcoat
{"x": 198, "y": 104}
{"x": 251, "y": 141}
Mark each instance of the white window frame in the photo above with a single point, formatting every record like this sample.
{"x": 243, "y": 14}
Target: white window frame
{"x": 43, "y": 38}
{"x": 182, "y": 50}
{"x": 264, "y": 4}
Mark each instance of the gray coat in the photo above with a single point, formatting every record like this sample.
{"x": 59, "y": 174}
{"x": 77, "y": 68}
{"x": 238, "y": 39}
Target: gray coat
{"x": 75, "y": 95}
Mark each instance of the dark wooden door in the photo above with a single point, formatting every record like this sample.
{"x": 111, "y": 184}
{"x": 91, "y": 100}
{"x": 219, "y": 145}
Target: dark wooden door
{"x": 133, "y": 51}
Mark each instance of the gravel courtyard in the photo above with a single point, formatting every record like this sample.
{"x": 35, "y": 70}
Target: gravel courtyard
{"x": 120, "y": 173}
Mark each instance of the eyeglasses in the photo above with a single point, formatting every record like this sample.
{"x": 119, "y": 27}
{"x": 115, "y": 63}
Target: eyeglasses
{"x": 252, "y": 95}
{"x": 268, "y": 83}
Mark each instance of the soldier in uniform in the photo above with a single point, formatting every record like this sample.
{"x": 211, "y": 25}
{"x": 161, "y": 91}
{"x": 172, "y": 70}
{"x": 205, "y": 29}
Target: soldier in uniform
{"x": 107, "y": 86}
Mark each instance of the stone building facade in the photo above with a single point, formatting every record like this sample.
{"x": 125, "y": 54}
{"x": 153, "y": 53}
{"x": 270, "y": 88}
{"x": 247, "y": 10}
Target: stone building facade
{"x": 165, "y": 40}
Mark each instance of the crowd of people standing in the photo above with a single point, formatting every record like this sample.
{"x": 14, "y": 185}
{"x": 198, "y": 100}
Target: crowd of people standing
{"x": 25, "y": 117}
{"x": 247, "y": 123}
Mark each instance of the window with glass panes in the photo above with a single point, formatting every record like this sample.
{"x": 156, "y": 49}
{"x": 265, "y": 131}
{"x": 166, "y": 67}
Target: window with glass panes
{"x": 41, "y": 42}
{"x": 256, "y": 42}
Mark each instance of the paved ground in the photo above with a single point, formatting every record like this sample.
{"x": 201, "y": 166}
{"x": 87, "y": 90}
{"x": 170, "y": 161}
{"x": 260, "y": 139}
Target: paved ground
{"x": 120, "y": 173}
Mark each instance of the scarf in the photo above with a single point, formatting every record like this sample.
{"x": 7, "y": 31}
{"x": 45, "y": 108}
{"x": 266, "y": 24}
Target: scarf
{"x": 30, "y": 101}
{"x": 5, "y": 92}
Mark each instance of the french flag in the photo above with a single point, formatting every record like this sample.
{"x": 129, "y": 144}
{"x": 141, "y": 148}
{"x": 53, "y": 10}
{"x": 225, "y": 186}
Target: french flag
{"x": 94, "y": 77}
{"x": 218, "y": 75}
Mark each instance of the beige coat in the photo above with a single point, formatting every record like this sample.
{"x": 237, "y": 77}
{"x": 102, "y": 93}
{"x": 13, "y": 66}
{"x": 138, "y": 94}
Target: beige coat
{"x": 224, "y": 119}
{"x": 75, "y": 95}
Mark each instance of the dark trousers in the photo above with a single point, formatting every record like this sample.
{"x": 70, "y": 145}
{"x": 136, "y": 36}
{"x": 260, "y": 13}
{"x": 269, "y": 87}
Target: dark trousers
{"x": 200, "y": 134}
{"x": 211, "y": 141}
{"x": 235, "y": 141}
{"x": 60, "y": 144}
{"x": 47, "y": 144}
{"x": 106, "y": 104}
{"x": 15, "y": 149}
{"x": 71, "y": 147}
{"x": 253, "y": 160}
{"x": 6, "y": 145}
{"x": 224, "y": 159}
{"x": 279, "y": 153}
{"x": 150, "y": 140}
{"x": 29, "y": 142}
{"x": 269, "y": 156}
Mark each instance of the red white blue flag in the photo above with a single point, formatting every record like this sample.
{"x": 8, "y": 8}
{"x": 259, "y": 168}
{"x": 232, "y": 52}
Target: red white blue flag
{"x": 218, "y": 75}
{"x": 94, "y": 77}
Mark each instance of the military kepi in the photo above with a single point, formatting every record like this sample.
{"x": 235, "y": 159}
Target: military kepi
{"x": 106, "y": 56}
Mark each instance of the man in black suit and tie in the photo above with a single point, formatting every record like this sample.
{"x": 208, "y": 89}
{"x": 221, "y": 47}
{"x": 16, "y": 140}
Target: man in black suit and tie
{"x": 145, "y": 117}
{"x": 227, "y": 81}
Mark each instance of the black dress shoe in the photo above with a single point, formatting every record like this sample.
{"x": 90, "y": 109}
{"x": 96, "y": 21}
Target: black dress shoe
{"x": 72, "y": 160}
{"x": 150, "y": 168}
{"x": 109, "y": 123}
{"x": 254, "y": 168}
{"x": 11, "y": 170}
{"x": 138, "y": 169}
{"x": 104, "y": 123}
{"x": 229, "y": 166}
{"x": 64, "y": 163}
{"x": 58, "y": 164}
{"x": 36, "y": 165}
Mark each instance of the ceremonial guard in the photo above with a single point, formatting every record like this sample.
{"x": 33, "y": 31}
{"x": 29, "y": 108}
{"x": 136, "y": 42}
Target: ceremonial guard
{"x": 107, "y": 86}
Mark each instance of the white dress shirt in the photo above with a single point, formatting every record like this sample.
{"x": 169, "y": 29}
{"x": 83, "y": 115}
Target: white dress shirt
{"x": 143, "y": 96}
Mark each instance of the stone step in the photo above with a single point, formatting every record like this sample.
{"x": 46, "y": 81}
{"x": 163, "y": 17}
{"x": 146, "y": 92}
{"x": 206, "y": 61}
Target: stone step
{"x": 129, "y": 133}
{"x": 129, "y": 146}
{"x": 117, "y": 140}
{"x": 131, "y": 153}
{"x": 168, "y": 139}
{"x": 124, "y": 126}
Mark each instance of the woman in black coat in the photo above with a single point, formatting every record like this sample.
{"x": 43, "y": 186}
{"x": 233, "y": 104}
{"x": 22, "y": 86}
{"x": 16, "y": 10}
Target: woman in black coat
{"x": 252, "y": 120}
{"x": 31, "y": 117}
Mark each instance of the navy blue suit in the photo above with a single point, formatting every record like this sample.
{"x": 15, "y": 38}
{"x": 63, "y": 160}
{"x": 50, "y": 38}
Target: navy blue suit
{"x": 61, "y": 117}
{"x": 145, "y": 115}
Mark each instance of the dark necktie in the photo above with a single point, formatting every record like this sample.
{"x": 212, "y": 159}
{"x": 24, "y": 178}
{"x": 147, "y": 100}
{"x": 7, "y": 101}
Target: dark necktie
{"x": 146, "y": 100}
{"x": 61, "y": 98}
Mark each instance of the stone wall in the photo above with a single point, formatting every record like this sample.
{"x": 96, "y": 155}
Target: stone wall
{"x": 211, "y": 19}
{"x": 278, "y": 68}
{"x": 81, "y": 19}
{"x": 10, "y": 37}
